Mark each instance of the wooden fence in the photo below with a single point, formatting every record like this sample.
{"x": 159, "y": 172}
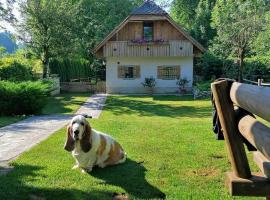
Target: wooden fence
{"x": 250, "y": 99}
{"x": 259, "y": 82}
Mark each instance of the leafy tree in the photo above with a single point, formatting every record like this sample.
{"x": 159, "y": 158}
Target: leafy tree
{"x": 184, "y": 12}
{"x": 262, "y": 42}
{"x": 237, "y": 23}
{"x": 2, "y": 51}
{"x": 6, "y": 10}
{"x": 202, "y": 29}
{"x": 47, "y": 28}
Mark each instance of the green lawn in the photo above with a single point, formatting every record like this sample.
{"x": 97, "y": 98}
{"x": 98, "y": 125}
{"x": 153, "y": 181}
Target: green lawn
{"x": 171, "y": 149}
{"x": 65, "y": 103}
{"x": 6, "y": 120}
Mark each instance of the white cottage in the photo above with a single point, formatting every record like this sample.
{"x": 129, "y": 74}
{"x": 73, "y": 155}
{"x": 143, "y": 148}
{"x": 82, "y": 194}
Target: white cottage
{"x": 148, "y": 43}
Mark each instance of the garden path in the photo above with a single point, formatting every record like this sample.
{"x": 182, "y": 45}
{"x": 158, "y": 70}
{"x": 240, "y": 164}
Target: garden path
{"x": 21, "y": 136}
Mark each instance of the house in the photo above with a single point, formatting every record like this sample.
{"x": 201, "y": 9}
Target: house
{"x": 148, "y": 43}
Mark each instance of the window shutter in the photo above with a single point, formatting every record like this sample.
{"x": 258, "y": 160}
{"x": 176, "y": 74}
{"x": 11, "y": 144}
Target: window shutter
{"x": 138, "y": 71}
{"x": 121, "y": 71}
{"x": 159, "y": 72}
{"x": 178, "y": 72}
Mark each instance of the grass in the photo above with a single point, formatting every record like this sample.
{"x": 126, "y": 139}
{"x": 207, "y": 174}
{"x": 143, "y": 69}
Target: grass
{"x": 171, "y": 152}
{"x": 65, "y": 103}
{"x": 6, "y": 120}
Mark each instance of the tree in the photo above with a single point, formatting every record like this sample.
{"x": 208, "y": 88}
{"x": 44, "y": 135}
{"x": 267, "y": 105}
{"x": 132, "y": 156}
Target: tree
{"x": 202, "y": 29}
{"x": 183, "y": 12}
{"x": 6, "y": 10}
{"x": 237, "y": 23}
{"x": 2, "y": 51}
{"x": 262, "y": 42}
{"x": 47, "y": 28}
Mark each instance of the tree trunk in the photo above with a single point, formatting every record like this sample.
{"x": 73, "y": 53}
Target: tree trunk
{"x": 241, "y": 65}
{"x": 45, "y": 62}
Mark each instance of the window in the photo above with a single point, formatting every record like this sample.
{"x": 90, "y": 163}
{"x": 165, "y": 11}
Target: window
{"x": 168, "y": 72}
{"x": 128, "y": 72}
{"x": 148, "y": 31}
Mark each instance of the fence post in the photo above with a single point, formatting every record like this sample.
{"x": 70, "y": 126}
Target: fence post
{"x": 260, "y": 82}
{"x": 226, "y": 114}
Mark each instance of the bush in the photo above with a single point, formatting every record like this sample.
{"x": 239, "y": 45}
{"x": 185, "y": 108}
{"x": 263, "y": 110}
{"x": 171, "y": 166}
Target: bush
{"x": 12, "y": 70}
{"x": 256, "y": 68}
{"x": 23, "y": 98}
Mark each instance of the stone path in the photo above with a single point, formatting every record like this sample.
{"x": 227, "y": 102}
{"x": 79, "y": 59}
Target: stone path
{"x": 21, "y": 136}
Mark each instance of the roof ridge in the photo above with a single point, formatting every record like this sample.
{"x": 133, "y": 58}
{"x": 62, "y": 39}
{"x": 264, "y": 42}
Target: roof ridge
{"x": 148, "y": 7}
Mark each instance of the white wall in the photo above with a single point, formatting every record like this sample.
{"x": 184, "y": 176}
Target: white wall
{"x": 148, "y": 67}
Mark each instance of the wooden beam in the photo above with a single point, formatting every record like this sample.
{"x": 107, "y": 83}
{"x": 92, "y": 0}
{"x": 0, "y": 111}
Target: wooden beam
{"x": 147, "y": 17}
{"x": 233, "y": 141}
{"x": 252, "y": 98}
{"x": 257, "y": 185}
{"x": 256, "y": 133}
{"x": 263, "y": 163}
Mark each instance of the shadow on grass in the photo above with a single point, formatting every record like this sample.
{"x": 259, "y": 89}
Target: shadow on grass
{"x": 58, "y": 104}
{"x": 131, "y": 177}
{"x": 12, "y": 186}
{"x": 119, "y": 106}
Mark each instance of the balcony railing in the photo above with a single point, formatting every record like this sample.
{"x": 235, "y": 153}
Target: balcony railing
{"x": 128, "y": 49}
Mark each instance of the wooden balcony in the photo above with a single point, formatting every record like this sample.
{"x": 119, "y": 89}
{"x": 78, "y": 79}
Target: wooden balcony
{"x": 127, "y": 49}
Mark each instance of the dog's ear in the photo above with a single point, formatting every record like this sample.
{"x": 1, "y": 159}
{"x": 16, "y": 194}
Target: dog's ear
{"x": 70, "y": 142}
{"x": 86, "y": 139}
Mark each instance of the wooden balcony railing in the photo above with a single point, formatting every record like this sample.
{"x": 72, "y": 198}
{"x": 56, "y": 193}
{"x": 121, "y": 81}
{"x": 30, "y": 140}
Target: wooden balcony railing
{"x": 127, "y": 49}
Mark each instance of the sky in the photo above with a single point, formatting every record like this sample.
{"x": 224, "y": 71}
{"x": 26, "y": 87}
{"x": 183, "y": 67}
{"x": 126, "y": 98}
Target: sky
{"x": 17, "y": 15}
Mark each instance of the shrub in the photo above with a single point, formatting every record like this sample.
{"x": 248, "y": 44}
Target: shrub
{"x": 149, "y": 82}
{"x": 12, "y": 70}
{"x": 256, "y": 68}
{"x": 204, "y": 86}
{"x": 22, "y": 98}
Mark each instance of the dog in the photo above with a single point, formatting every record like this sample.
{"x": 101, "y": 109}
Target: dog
{"x": 90, "y": 147}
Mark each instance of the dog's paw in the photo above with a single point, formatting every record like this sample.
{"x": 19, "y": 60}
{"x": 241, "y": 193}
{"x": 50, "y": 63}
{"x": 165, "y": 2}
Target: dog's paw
{"x": 89, "y": 169}
{"x": 102, "y": 165}
{"x": 75, "y": 167}
{"x": 83, "y": 171}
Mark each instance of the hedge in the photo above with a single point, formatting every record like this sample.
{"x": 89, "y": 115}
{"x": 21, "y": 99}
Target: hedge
{"x": 68, "y": 69}
{"x": 23, "y": 98}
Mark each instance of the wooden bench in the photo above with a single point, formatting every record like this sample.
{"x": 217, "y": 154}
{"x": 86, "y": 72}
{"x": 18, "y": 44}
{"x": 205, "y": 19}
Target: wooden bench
{"x": 256, "y": 100}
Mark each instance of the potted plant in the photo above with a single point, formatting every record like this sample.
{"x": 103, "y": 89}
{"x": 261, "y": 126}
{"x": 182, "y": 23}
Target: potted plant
{"x": 149, "y": 84}
{"x": 182, "y": 83}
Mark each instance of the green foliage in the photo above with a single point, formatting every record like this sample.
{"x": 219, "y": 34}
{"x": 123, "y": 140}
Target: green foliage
{"x": 71, "y": 69}
{"x": 2, "y": 51}
{"x": 183, "y": 12}
{"x": 149, "y": 82}
{"x": 202, "y": 29}
{"x": 237, "y": 23}
{"x": 256, "y": 68}
{"x": 14, "y": 70}
{"x": 262, "y": 43}
{"x": 22, "y": 98}
{"x": 209, "y": 66}
{"x": 182, "y": 83}
{"x": 204, "y": 86}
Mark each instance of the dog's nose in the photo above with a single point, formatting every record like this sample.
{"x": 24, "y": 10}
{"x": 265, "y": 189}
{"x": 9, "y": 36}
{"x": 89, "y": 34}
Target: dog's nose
{"x": 76, "y": 132}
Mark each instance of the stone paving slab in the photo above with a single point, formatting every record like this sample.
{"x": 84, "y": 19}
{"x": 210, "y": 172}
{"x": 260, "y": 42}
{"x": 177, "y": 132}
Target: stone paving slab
{"x": 93, "y": 106}
{"x": 21, "y": 136}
